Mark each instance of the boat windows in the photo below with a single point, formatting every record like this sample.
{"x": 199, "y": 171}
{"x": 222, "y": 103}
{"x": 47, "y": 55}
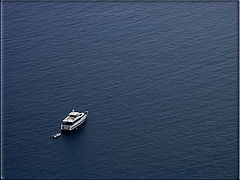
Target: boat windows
{"x": 67, "y": 123}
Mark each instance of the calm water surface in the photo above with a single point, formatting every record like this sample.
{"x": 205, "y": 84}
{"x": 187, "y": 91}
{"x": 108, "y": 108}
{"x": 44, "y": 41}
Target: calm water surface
{"x": 160, "y": 81}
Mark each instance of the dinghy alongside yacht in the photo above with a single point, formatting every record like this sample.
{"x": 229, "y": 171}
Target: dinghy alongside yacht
{"x": 56, "y": 135}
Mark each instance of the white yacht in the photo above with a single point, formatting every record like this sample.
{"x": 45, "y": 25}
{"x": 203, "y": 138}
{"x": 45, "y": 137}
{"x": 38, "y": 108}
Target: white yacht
{"x": 73, "y": 120}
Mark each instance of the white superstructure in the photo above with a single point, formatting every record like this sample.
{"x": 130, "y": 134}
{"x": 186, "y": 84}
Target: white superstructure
{"x": 73, "y": 120}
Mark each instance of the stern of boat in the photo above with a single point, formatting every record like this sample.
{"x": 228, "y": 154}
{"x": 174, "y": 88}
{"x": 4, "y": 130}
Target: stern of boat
{"x": 65, "y": 128}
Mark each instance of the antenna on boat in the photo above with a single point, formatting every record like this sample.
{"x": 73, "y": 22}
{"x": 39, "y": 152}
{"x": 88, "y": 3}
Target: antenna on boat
{"x": 73, "y": 110}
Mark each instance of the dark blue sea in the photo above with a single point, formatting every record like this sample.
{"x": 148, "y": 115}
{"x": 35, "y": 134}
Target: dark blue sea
{"x": 159, "y": 79}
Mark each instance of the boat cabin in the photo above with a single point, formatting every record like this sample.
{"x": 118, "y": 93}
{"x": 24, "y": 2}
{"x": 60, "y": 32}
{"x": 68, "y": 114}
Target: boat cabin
{"x": 73, "y": 114}
{"x": 72, "y": 118}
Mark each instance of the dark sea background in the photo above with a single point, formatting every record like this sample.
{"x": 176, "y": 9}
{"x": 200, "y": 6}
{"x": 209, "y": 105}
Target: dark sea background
{"x": 159, "y": 79}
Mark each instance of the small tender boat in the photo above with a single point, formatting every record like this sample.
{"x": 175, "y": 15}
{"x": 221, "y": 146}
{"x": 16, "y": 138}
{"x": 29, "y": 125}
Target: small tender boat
{"x": 73, "y": 120}
{"x": 56, "y": 135}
